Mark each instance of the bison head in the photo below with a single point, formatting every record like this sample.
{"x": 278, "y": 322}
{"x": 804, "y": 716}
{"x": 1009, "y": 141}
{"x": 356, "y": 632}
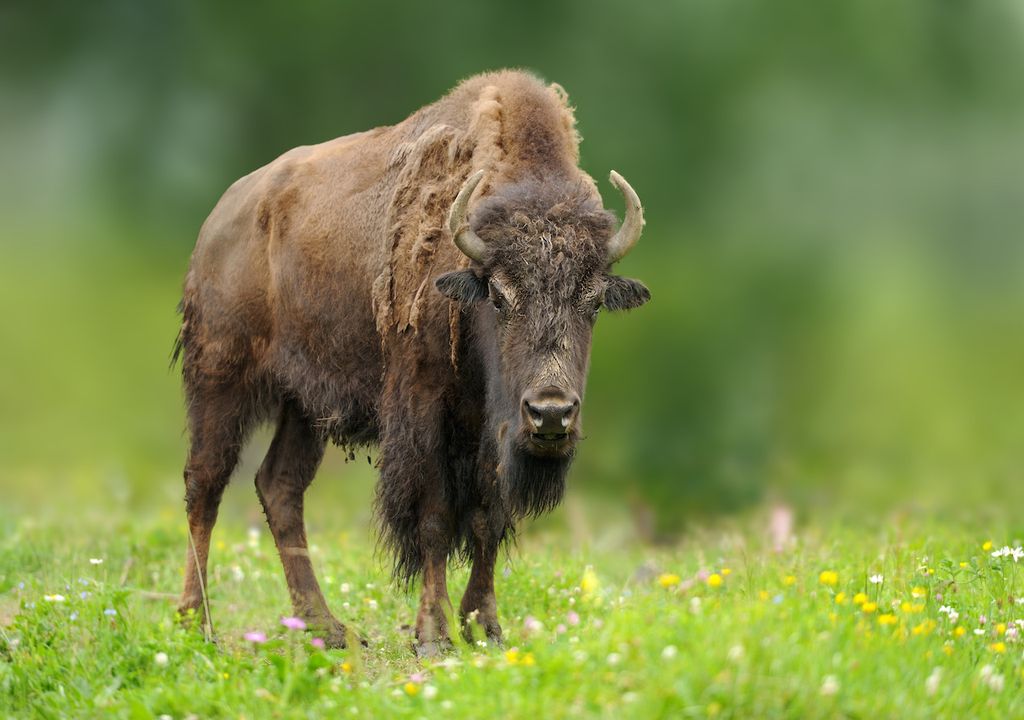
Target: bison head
{"x": 542, "y": 253}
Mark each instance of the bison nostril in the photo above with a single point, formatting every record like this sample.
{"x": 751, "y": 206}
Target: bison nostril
{"x": 550, "y": 412}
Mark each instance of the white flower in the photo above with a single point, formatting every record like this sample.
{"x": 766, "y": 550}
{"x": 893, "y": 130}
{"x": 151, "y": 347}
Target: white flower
{"x": 736, "y": 653}
{"x": 160, "y": 659}
{"x": 1016, "y": 553}
{"x": 979, "y": 631}
{"x": 1001, "y": 552}
{"x": 53, "y": 598}
{"x": 669, "y": 652}
{"x": 614, "y": 659}
{"x": 429, "y": 692}
{"x": 931, "y": 685}
{"x": 950, "y": 613}
{"x": 345, "y": 587}
{"x": 829, "y": 686}
{"x": 990, "y": 677}
{"x": 95, "y": 561}
{"x": 876, "y": 579}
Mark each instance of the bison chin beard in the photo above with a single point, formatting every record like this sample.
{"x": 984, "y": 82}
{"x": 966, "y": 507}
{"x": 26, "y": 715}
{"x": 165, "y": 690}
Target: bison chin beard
{"x": 533, "y": 484}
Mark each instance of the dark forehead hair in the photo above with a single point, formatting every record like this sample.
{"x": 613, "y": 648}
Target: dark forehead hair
{"x": 550, "y": 224}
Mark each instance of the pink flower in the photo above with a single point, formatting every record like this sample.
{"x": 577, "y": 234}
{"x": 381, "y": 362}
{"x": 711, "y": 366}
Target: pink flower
{"x": 532, "y": 624}
{"x": 573, "y": 618}
{"x": 318, "y": 643}
{"x": 255, "y": 637}
{"x": 417, "y": 677}
{"x": 293, "y": 623}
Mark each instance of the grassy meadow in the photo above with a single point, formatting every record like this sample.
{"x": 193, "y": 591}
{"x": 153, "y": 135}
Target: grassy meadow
{"x": 903, "y": 621}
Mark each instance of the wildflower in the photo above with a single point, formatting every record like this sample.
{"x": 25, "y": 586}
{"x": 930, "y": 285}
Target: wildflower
{"x": 589, "y": 583}
{"x": 54, "y": 598}
{"x": 74, "y": 616}
{"x": 614, "y": 659}
{"x": 161, "y": 659}
{"x": 998, "y": 647}
{"x": 869, "y": 607}
{"x": 293, "y": 623}
{"x": 991, "y": 678}
{"x": 532, "y": 625}
{"x": 528, "y": 660}
{"x": 1001, "y": 629}
{"x": 714, "y": 580}
{"x": 840, "y": 598}
{"x": 950, "y": 613}
{"x": 110, "y": 612}
{"x": 669, "y": 652}
{"x": 987, "y": 545}
{"x": 887, "y": 619}
{"x": 963, "y": 564}
{"x": 911, "y": 608}
{"x": 429, "y": 692}
{"x": 345, "y": 588}
{"x": 736, "y": 653}
{"x": 860, "y": 598}
{"x": 411, "y": 689}
{"x": 318, "y": 643}
{"x": 726, "y": 572}
{"x": 876, "y": 579}
{"x": 829, "y": 577}
{"x": 789, "y": 580}
{"x": 512, "y": 656}
{"x": 95, "y": 561}
{"x": 667, "y": 580}
{"x": 255, "y": 636}
{"x": 931, "y": 685}
{"x": 346, "y": 667}
{"x": 918, "y": 592}
{"x": 1016, "y": 553}
{"x": 1012, "y": 633}
{"x": 979, "y": 632}
{"x": 763, "y": 596}
{"x": 924, "y": 628}
{"x": 572, "y": 617}
{"x": 829, "y": 686}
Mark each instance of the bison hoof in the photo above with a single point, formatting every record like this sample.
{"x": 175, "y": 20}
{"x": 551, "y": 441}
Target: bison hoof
{"x": 432, "y": 648}
{"x": 333, "y": 633}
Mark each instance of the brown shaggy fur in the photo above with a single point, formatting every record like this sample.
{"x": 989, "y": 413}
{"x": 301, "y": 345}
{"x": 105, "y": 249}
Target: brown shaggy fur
{"x": 311, "y": 301}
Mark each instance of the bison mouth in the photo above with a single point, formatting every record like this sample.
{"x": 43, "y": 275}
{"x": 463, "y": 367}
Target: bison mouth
{"x": 550, "y": 444}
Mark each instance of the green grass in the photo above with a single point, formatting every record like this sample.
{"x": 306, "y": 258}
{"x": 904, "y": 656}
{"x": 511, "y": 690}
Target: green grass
{"x": 642, "y": 633}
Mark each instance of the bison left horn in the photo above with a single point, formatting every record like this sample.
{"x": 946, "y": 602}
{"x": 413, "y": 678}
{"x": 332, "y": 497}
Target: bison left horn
{"x": 632, "y": 226}
{"x": 466, "y": 240}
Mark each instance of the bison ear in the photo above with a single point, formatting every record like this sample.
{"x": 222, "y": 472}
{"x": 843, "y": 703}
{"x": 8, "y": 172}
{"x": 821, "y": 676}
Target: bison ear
{"x": 462, "y": 286}
{"x": 625, "y": 293}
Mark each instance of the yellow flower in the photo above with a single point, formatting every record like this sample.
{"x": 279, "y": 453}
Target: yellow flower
{"x": 960, "y": 631}
{"x": 869, "y": 607}
{"x": 840, "y": 598}
{"x": 887, "y": 619}
{"x": 998, "y": 647}
{"x": 829, "y": 577}
{"x": 948, "y": 649}
{"x": 715, "y": 580}
{"x": 931, "y": 571}
{"x": 411, "y": 689}
{"x": 726, "y": 571}
{"x": 789, "y": 580}
{"x": 1001, "y": 628}
{"x": 911, "y": 608}
{"x": 860, "y": 599}
{"x": 963, "y": 564}
{"x": 667, "y": 580}
{"x": 528, "y": 660}
{"x": 512, "y": 656}
{"x": 987, "y": 545}
{"x": 918, "y": 592}
{"x": 924, "y": 628}
{"x": 346, "y": 667}
{"x": 589, "y": 583}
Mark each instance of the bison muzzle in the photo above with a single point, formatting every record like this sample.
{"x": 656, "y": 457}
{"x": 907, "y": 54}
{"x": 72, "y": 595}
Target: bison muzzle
{"x": 430, "y": 286}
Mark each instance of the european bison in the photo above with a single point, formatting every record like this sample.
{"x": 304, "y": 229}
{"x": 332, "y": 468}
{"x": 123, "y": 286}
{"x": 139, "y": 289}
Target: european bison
{"x": 346, "y": 290}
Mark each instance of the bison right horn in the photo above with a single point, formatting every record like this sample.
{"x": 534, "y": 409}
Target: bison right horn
{"x": 632, "y": 225}
{"x": 467, "y": 241}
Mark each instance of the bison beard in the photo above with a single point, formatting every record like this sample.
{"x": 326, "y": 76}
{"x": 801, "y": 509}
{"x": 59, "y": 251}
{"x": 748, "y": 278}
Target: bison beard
{"x": 430, "y": 286}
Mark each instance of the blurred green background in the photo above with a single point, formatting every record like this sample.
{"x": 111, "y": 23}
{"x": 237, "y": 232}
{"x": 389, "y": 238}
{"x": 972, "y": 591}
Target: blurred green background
{"x": 834, "y": 194}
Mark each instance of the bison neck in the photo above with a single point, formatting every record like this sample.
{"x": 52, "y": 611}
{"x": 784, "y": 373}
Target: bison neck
{"x": 533, "y": 485}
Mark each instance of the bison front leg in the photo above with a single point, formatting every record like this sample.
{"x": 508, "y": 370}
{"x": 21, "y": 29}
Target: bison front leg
{"x": 479, "y": 606}
{"x": 435, "y": 536}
